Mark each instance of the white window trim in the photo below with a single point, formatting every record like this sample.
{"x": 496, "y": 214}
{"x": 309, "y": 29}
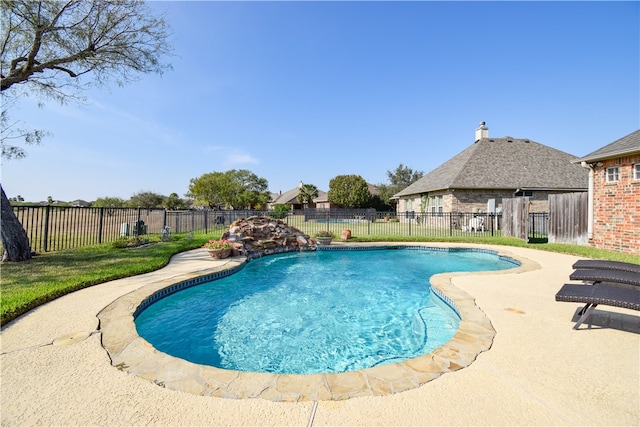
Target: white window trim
{"x": 617, "y": 174}
{"x": 636, "y": 172}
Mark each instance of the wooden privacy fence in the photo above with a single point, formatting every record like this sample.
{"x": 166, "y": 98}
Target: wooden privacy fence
{"x": 515, "y": 218}
{"x": 568, "y": 218}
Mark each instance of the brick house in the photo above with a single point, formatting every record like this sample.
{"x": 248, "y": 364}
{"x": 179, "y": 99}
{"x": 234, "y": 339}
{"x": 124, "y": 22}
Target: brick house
{"x": 478, "y": 178}
{"x": 322, "y": 201}
{"x": 614, "y": 195}
{"x": 79, "y": 203}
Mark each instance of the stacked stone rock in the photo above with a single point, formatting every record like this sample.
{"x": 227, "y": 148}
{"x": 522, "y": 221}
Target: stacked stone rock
{"x": 257, "y": 236}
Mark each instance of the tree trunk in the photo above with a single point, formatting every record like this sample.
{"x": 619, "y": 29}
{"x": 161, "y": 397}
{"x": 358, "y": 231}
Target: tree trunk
{"x": 14, "y": 239}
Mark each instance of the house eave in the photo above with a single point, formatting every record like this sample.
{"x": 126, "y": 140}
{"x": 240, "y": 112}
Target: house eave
{"x": 608, "y": 156}
{"x": 515, "y": 190}
{"x": 431, "y": 190}
{"x": 567, "y": 189}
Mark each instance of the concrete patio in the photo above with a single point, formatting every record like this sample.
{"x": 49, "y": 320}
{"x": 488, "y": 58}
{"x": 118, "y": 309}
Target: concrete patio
{"x": 538, "y": 371}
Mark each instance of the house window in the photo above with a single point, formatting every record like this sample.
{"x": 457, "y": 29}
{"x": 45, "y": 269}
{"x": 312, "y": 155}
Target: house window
{"x": 612, "y": 174}
{"x": 409, "y": 205}
{"x": 440, "y": 200}
{"x": 436, "y": 204}
{"x": 636, "y": 171}
{"x": 524, "y": 194}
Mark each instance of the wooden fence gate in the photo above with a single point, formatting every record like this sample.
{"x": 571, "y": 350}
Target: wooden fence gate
{"x": 568, "y": 218}
{"x": 515, "y": 218}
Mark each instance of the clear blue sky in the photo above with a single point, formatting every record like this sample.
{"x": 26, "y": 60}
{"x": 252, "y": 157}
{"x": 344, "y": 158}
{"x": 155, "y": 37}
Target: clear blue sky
{"x": 298, "y": 91}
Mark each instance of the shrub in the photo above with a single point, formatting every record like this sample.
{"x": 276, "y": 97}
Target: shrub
{"x": 130, "y": 242}
{"x": 217, "y": 244}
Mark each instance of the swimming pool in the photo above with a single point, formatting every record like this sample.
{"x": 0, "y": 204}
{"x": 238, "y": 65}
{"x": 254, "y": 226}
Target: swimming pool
{"x": 302, "y": 313}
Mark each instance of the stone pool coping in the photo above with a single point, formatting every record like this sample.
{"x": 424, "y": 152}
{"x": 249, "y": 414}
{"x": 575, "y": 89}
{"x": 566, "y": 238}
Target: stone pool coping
{"x": 131, "y": 353}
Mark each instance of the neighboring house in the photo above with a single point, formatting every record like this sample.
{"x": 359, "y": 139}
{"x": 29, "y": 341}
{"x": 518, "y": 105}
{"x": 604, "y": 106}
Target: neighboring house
{"x": 478, "y": 178}
{"x": 614, "y": 195}
{"x": 322, "y": 201}
{"x": 80, "y": 203}
{"x": 372, "y": 189}
{"x": 291, "y": 198}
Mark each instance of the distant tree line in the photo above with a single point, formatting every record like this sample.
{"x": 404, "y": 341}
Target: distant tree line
{"x": 143, "y": 199}
{"x": 242, "y": 189}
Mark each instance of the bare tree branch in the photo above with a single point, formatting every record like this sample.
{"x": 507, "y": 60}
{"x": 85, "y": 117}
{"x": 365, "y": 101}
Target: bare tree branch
{"x": 111, "y": 39}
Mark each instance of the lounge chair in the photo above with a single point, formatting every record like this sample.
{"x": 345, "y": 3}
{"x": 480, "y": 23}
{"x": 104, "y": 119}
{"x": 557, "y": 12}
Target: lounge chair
{"x": 605, "y": 294}
{"x": 476, "y": 224}
{"x": 599, "y": 264}
{"x": 609, "y": 276}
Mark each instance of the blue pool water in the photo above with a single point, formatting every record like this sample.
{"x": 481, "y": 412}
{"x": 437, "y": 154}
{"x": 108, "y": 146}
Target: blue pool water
{"x": 312, "y": 312}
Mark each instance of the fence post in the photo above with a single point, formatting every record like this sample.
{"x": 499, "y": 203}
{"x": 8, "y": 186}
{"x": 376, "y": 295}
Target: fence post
{"x": 206, "y": 221}
{"x": 164, "y": 219}
{"x": 100, "y": 220}
{"x": 45, "y": 244}
{"x": 492, "y": 218}
{"x": 533, "y": 225}
{"x": 406, "y": 217}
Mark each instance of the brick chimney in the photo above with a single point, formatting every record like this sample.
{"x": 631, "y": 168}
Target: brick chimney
{"x": 482, "y": 132}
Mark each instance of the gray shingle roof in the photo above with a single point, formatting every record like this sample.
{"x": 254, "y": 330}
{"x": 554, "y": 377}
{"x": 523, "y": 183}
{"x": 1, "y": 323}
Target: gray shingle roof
{"x": 504, "y": 163}
{"x": 291, "y": 197}
{"x": 627, "y": 145}
{"x": 287, "y": 197}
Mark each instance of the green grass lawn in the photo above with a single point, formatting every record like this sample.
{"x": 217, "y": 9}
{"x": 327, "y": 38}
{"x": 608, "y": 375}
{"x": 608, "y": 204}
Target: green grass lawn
{"x": 26, "y": 285}
{"x": 48, "y": 276}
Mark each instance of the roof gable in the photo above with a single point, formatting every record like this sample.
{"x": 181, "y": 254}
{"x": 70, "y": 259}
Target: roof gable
{"x": 290, "y": 197}
{"x": 624, "y": 146}
{"x": 504, "y": 163}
